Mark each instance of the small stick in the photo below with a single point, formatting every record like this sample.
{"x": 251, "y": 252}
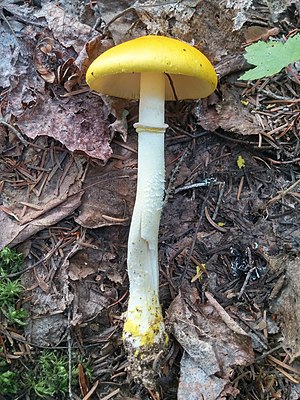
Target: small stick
{"x": 240, "y": 188}
{"x": 212, "y": 223}
{"x": 15, "y": 131}
{"x": 282, "y": 193}
{"x": 206, "y": 182}
{"x": 221, "y": 193}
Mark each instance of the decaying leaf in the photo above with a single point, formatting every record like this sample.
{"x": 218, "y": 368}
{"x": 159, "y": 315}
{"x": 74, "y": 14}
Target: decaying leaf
{"x": 64, "y": 27}
{"x": 78, "y": 272}
{"x": 241, "y": 11}
{"x": 46, "y": 331}
{"x": 186, "y": 20}
{"x": 80, "y": 123}
{"x": 109, "y": 197}
{"x": 76, "y": 122}
{"x": 287, "y": 304}
{"x": 195, "y": 383}
{"x": 230, "y": 115}
{"x": 12, "y": 233}
{"x": 9, "y": 50}
{"x": 213, "y": 345}
{"x": 48, "y": 321}
{"x": 278, "y": 7}
{"x": 88, "y": 302}
{"x": 91, "y": 50}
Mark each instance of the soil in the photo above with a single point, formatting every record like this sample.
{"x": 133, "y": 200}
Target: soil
{"x": 229, "y": 235}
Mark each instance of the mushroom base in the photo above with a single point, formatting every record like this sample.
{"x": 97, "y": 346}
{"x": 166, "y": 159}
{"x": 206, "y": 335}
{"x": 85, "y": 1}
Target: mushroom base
{"x": 145, "y": 341}
{"x": 144, "y": 362}
{"x": 144, "y": 367}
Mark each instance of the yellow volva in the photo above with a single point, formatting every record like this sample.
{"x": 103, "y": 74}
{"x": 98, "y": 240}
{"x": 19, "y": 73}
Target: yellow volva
{"x": 152, "y": 69}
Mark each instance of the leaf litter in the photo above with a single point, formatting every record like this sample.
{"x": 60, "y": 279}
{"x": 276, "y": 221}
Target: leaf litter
{"x": 213, "y": 344}
{"x": 220, "y": 225}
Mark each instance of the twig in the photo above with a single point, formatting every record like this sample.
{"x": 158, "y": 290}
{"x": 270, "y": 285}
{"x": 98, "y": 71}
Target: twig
{"x": 15, "y": 131}
{"x": 126, "y": 11}
{"x": 190, "y": 252}
{"x": 206, "y": 182}
{"x": 109, "y": 396}
{"x": 213, "y": 223}
{"x": 265, "y": 354}
{"x": 276, "y": 96}
{"x": 93, "y": 388}
{"x": 240, "y": 188}
{"x": 20, "y": 18}
{"x": 172, "y": 86}
{"x": 69, "y": 354}
{"x": 282, "y": 193}
{"x": 277, "y": 162}
{"x": 227, "y": 319}
{"x": 248, "y": 276}
{"x": 221, "y": 193}
{"x": 8, "y": 24}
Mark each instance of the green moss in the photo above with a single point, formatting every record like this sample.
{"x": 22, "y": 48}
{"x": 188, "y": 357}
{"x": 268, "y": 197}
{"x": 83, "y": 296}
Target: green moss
{"x": 9, "y": 381}
{"x": 11, "y": 289}
{"x": 50, "y": 377}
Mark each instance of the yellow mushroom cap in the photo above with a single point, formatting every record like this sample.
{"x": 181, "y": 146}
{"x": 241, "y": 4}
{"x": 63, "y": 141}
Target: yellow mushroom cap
{"x": 116, "y": 72}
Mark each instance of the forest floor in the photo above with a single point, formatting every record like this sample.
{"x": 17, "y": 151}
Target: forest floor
{"x": 230, "y": 231}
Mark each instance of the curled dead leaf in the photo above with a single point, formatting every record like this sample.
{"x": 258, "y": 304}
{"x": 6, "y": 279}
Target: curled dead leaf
{"x": 90, "y": 51}
{"x": 46, "y": 59}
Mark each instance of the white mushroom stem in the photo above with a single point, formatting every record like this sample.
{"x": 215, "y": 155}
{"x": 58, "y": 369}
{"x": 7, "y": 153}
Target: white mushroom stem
{"x": 144, "y": 327}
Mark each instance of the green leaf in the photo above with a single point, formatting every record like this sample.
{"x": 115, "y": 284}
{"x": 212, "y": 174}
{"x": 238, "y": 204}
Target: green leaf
{"x": 271, "y": 57}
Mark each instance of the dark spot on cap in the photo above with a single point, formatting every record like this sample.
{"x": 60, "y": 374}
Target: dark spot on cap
{"x": 92, "y": 73}
{"x": 184, "y": 49}
{"x": 200, "y": 65}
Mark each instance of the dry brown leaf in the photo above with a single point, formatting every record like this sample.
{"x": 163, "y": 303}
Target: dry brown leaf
{"x": 64, "y": 27}
{"x": 212, "y": 345}
{"x": 92, "y": 49}
{"x": 79, "y": 122}
{"x": 115, "y": 277}
{"x": 9, "y": 50}
{"x": 12, "y": 233}
{"x": 230, "y": 115}
{"x": 109, "y": 197}
{"x": 254, "y": 33}
{"x": 287, "y": 305}
{"x": 82, "y": 379}
{"x": 78, "y": 272}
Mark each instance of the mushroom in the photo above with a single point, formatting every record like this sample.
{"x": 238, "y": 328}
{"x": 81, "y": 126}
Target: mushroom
{"x": 152, "y": 69}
